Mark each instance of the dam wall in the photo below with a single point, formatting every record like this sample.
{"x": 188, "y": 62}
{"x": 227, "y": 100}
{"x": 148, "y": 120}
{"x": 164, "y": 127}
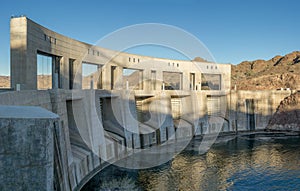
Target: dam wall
{"x": 113, "y": 104}
{"x": 252, "y": 110}
{"x": 98, "y": 127}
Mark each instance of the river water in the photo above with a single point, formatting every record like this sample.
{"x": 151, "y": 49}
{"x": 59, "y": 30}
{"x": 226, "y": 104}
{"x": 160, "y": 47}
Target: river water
{"x": 249, "y": 162}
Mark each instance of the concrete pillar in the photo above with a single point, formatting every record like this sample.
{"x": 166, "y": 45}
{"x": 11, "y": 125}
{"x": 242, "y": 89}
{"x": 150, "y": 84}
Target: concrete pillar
{"x": 55, "y": 81}
{"x": 77, "y": 73}
{"x": 118, "y": 78}
{"x": 198, "y": 81}
{"x": 147, "y": 85}
{"x": 65, "y": 72}
{"x": 18, "y": 56}
{"x": 185, "y": 81}
{"x": 26, "y": 148}
{"x": 159, "y": 82}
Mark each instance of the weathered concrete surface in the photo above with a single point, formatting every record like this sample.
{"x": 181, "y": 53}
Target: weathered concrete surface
{"x": 78, "y": 157}
{"x": 264, "y": 104}
{"x": 26, "y": 148}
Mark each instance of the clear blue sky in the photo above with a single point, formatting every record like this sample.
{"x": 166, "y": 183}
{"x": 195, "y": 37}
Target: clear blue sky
{"x": 233, "y": 30}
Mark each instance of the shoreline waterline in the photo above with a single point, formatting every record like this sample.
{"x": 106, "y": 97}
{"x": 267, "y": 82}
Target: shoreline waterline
{"x": 223, "y": 138}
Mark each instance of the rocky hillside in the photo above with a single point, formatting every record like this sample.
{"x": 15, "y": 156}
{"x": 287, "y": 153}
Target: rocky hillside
{"x": 278, "y": 72}
{"x": 287, "y": 116}
{"x": 4, "y": 81}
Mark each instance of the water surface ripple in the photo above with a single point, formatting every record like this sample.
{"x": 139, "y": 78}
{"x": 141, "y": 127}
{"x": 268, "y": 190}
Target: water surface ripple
{"x": 243, "y": 163}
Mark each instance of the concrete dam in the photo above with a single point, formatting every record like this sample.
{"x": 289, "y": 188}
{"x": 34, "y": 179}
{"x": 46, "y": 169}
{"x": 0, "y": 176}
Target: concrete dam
{"x": 75, "y": 108}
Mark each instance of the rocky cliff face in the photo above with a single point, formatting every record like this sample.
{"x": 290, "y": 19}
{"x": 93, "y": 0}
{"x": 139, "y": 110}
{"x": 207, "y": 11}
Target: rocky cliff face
{"x": 287, "y": 116}
{"x": 278, "y": 72}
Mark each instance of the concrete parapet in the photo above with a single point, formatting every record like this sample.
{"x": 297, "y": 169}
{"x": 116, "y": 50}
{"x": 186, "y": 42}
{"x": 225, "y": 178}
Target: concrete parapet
{"x": 26, "y": 148}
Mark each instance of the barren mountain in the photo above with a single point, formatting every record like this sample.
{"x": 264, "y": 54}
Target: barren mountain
{"x": 45, "y": 82}
{"x": 278, "y": 72}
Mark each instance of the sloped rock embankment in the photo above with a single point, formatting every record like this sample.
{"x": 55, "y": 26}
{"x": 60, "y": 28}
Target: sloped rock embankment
{"x": 287, "y": 116}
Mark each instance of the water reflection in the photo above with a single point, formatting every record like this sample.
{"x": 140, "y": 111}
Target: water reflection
{"x": 244, "y": 163}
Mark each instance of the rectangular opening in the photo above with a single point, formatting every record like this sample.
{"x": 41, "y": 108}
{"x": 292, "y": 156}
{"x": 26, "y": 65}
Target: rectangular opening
{"x": 142, "y": 109}
{"x": 250, "y": 113}
{"x": 210, "y": 81}
{"x": 192, "y": 81}
{"x": 132, "y": 79}
{"x": 70, "y": 114}
{"x": 48, "y": 71}
{"x": 113, "y": 75}
{"x": 44, "y": 72}
{"x": 109, "y": 117}
{"x": 71, "y": 73}
{"x": 139, "y": 110}
{"x": 91, "y": 78}
{"x": 172, "y": 80}
{"x": 153, "y": 80}
{"x": 214, "y": 105}
{"x": 176, "y": 108}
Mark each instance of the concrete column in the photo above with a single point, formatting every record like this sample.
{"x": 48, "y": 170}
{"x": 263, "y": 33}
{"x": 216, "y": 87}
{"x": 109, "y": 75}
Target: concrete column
{"x": 18, "y": 56}
{"x": 164, "y": 116}
{"x": 118, "y": 78}
{"x": 106, "y": 77}
{"x": 55, "y": 81}
{"x": 64, "y": 72}
{"x": 185, "y": 81}
{"x": 26, "y": 148}
{"x": 159, "y": 82}
{"x": 147, "y": 80}
{"x": 198, "y": 81}
{"x": 77, "y": 70}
